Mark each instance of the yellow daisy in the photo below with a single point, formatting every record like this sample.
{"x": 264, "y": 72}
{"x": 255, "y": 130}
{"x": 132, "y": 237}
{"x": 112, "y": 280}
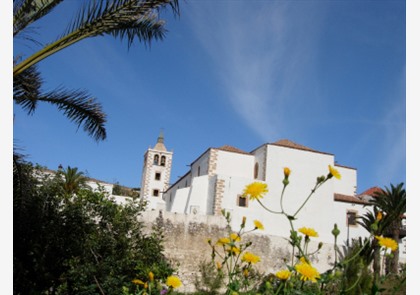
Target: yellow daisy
{"x": 256, "y": 190}
{"x": 333, "y": 172}
{"x": 234, "y": 250}
{"x": 235, "y": 237}
{"x": 174, "y": 282}
{"x": 223, "y": 241}
{"x": 307, "y": 272}
{"x": 258, "y": 225}
{"x": 387, "y": 243}
{"x": 310, "y": 232}
{"x": 250, "y": 258}
{"x": 137, "y": 282}
{"x": 283, "y": 274}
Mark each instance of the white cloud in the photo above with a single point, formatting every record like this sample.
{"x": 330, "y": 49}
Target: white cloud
{"x": 260, "y": 53}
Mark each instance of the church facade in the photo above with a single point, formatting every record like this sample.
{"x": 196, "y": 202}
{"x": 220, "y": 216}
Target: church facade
{"x": 217, "y": 178}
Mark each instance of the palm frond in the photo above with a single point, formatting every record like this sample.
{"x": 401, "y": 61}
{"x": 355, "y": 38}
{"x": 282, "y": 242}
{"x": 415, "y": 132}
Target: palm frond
{"x": 126, "y": 19}
{"x": 26, "y": 12}
{"x": 80, "y": 108}
{"x": 26, "y": 89}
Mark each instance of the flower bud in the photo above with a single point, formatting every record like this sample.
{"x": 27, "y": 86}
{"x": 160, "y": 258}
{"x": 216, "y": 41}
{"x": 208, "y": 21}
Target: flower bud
{"x": 335, "y": 231}
{"x": 286, "y": 171}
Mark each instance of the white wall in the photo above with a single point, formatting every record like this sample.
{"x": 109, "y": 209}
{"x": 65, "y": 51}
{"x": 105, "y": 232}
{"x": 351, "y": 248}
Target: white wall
{"x": 235, "y": 164}
{"x": 348, "y": 183}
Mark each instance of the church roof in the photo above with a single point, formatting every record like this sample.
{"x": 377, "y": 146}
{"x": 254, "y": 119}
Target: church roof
{"x": 290, "y": 144}
{"x": 228, "y": 148}
{"x": 159, "y": 144}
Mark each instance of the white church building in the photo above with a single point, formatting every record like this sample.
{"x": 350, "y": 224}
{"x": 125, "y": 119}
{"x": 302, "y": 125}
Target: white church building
{"x": 218, "y": 176}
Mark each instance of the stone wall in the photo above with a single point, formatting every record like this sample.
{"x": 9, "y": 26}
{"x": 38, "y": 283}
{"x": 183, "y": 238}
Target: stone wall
{"x": 186, "y": 244}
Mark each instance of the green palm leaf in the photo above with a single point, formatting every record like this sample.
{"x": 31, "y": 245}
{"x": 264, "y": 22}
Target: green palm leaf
{"x": 80, "y": 108}
{"x": 26, "y": 12}
{"x": 126, "y": 19}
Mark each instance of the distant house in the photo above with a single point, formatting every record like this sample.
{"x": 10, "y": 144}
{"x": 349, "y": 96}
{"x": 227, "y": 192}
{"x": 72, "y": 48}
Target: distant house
{"x": 217, "y": 178}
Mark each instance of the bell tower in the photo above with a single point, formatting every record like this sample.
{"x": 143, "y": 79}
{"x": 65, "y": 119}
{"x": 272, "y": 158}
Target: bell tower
{"x": 156, "y": 174}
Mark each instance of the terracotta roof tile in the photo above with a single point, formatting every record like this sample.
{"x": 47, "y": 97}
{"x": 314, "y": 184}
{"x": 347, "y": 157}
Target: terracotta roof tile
{"x": 293, "y": 145}
{"x": 228, "y": 148}
{"x": 372, "y": 191}
{"x": 349, "y": 199}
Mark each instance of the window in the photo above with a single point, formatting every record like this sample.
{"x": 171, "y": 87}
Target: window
{"x": 242, "y": 201}
{"x": 162, "y": 161}
{"x": 198, "y": 171}
{"x": 157, "y": 176}
{"x": 156, "y": 160}
{"x": 351, "y": 218}
{"x": 256, "y": 166}
{"x": 155, "y": 193}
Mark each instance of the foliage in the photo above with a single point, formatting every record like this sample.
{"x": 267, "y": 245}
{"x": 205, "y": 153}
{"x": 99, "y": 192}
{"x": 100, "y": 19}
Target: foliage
{"x": 209, "y": 279}
{"x": 83, "y": 244}
{"x": 128, "y": 20}
{"x": 392, "y": 202}
{"x": 119, "y": 190}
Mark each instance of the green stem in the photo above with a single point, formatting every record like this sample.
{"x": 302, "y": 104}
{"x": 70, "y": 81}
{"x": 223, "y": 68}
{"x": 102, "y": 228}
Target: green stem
{"x": 271, "y": 211}
{"x": 281, "y": 198}
{"x": 310, "y": 195}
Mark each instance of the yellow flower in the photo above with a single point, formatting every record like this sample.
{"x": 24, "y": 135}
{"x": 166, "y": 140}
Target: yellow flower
{"x": 234, "y": 250}
{"x": 258, "y": 225}
{"x": 379, "y": 216}
{"x": 310, "y": 232}
{"x": 250, "y": 258}
{"x": 137, "y": 282}
{"x": 246, "y": 272}
{"x": 256, "y": 190}
{"x": 223, "y": 241}
{"x": 333, "y": 172}
{"x": 307, "y": 272}
{"x": 283, "y": 274}
{"x": 387, "y": 243}
{"x": 235, "y": 237}
{"x": 173, "y": 281}
{"x": 286, "y": 171}
{"x": 151, "y": 276}
{"x": 218, "y": 265}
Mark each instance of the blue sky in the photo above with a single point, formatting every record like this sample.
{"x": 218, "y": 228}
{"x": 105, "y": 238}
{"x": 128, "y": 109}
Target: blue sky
{"x": 330, "y": 75}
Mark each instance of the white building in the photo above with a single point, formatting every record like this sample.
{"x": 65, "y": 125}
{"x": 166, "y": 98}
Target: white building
{"x": 156, "y": 174}
{"x": 217, "y": 178}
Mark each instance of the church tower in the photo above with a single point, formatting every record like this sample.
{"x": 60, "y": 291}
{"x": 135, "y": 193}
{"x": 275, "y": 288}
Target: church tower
{"x": 156, "y": 174}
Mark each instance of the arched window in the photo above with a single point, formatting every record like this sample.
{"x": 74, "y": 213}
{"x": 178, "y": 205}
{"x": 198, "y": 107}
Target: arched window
{"x": 198, "y": 171}
{"x": 156, "y": 160}
{"x": 256, "y": 166}
{"x": 162, "y": 161}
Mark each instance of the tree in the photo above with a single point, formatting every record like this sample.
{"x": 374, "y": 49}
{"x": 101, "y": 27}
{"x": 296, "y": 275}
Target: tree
{"x": 73, "y": 180}
{"x": 124, "y": 19}
{"x": 392, "y": 202}
{"x": 86, "y": 244}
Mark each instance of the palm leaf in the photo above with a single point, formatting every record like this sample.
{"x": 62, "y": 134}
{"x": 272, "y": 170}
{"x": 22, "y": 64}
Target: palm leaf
{"x": 26, "y": 89}
{"x": 80, "y": 108}
{"x": 26, "y": 12}
{"x": 126, "y": 19}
